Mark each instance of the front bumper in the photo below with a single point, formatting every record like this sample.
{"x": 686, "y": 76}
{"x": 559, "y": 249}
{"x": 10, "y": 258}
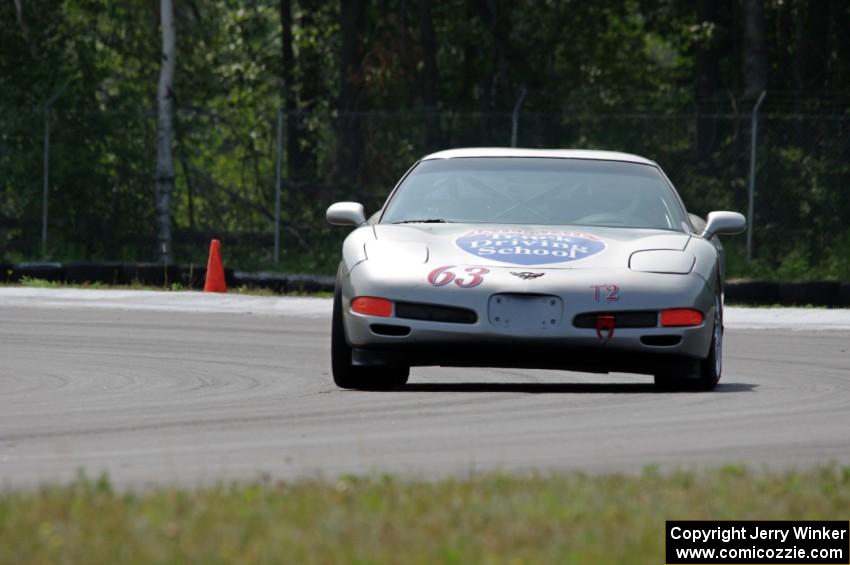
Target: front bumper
{"x": 561, "y": 345}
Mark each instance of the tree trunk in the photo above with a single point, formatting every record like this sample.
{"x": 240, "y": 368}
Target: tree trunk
{"x": 349, "y": 131}
{"x": 841, "y": 20}
{"x": 164, "y": 176}
{"x": 311, "y": 72}
{"x": 811, "y": 62}
{"x": 707, "y": 78}
{"x": 512, "y": 73}
{"x": 495, "y": 18}
{"x": 25, "y": 30}
{"x": 464, "y": 92}
{"x": 755, "y": 61}
{"x": 431, "y": 82}
{"x": 288, "y": 93}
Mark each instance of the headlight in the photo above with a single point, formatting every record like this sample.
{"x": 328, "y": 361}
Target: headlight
{"x": 396, "y": 252}
{"x": 666, "y": 261}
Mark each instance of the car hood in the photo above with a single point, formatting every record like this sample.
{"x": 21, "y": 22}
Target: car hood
{"x": 550, "y": 247}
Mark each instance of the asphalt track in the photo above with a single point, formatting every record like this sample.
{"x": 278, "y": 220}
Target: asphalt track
{"x": 160, "y": 397}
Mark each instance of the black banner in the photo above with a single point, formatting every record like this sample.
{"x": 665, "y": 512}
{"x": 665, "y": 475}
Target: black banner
{"x": 769, "y": 542}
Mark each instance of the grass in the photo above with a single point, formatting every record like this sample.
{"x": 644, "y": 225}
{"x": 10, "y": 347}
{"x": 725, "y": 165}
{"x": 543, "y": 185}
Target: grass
{"x": 31, "y": 282}
{"x": 570, "y": 518}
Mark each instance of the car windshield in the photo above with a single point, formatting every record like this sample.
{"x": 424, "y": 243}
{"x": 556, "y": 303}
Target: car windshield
{"x": 546, "y": 191}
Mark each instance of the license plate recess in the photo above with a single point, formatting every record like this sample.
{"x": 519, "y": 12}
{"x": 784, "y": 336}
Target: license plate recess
{"x": 525, "y": 311}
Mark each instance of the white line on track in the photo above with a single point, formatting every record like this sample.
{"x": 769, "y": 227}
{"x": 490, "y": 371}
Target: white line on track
{"x": 161, "y": 301}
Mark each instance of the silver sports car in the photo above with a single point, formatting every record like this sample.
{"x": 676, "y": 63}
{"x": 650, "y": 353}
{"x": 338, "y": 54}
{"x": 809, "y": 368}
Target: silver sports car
{"x": 562, "y": 259}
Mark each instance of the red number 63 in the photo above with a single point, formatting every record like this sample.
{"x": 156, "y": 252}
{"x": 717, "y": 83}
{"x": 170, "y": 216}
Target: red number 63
{"x": 444, "y": 275}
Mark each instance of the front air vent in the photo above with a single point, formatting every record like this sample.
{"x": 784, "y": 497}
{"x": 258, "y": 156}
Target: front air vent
{"x": 389, "y": 329}
{"x": 661, "y": 340}
{"x": 435, "y": 313}
{"x": 628, "y": 319}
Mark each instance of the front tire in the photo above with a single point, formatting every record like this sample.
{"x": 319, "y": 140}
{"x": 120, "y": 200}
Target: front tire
{"x": 709, "y": 369}
{"x": 357, "y": 377}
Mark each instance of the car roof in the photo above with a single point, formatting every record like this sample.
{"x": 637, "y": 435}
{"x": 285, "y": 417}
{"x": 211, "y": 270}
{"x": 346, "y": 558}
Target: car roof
{"x": 540, "y": 153}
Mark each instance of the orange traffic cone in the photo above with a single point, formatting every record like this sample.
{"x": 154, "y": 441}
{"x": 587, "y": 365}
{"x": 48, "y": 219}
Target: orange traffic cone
{"x": 215, "y": 270}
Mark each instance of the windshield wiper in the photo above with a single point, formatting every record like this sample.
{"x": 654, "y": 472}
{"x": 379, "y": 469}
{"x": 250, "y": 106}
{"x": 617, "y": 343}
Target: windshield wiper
{"x": 426, "y": 221}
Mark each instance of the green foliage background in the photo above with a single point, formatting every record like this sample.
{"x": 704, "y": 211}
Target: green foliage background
{"x": 615, "y": 75}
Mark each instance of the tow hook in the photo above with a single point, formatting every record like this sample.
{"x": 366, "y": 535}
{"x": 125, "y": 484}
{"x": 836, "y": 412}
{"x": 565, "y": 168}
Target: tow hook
{"x": 604, "y": 323}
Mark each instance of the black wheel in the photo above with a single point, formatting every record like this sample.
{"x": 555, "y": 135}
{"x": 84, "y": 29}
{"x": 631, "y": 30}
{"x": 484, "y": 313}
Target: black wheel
{"x": 709, "y": 369}
{"x": 347, "y": 375}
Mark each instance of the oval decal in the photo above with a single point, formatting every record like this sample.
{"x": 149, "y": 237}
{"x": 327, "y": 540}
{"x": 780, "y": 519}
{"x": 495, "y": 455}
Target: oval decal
{"x": 527, "y": 247}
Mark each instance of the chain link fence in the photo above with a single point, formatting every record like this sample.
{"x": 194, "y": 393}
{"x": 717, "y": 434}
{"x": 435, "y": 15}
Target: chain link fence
{"x": 99, "y": 171}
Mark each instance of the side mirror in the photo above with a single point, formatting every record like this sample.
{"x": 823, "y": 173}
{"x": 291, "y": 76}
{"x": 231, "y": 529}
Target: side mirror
{"x": 724, "y": 223}
{"x": 346, "y": 214}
